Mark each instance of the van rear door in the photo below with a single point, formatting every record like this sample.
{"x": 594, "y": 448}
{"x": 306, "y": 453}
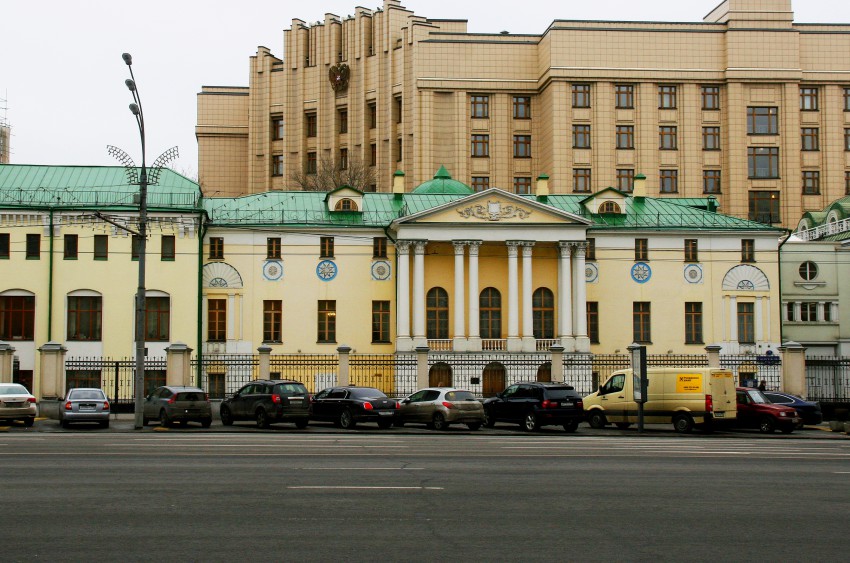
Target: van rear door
{"x": 722, "y": 388}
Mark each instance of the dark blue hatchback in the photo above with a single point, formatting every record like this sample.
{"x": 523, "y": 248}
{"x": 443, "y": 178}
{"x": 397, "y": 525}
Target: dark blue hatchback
{"x": 809, "y": 411}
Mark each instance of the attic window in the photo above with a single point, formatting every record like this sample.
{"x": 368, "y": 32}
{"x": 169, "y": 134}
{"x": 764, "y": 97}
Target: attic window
{"x": 609, "y": 207}
{"x": 345, "y": 204}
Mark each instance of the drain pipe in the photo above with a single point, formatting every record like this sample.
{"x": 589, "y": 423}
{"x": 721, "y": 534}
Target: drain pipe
{"x": 50, "y": 284}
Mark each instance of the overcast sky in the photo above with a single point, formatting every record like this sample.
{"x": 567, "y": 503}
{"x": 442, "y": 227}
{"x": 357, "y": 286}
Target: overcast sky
{"x": 62, "y": 77}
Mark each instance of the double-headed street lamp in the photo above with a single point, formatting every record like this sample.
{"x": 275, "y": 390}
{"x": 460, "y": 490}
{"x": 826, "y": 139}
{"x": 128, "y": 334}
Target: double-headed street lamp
{"x": 143, "y": 181}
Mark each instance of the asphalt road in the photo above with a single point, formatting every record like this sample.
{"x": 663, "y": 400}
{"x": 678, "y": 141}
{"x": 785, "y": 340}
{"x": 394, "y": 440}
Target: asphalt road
{"x": 198, "y": 496}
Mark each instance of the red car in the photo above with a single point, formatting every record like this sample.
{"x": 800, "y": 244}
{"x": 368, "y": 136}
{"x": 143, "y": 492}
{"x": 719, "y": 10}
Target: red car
{"x": 756, "y": 411}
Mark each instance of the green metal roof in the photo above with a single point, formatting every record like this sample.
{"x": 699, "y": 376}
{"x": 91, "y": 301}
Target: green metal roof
{"x": 443, "y": 184}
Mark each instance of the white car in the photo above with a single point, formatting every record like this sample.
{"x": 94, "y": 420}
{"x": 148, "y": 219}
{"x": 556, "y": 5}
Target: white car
{"x": 16, "y": 403}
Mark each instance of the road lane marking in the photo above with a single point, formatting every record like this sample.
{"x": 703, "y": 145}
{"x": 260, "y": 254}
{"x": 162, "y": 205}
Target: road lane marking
{"x": 347, "y": 487}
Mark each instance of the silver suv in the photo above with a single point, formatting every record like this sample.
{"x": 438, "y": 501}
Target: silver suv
{"x": 170, "y": 404}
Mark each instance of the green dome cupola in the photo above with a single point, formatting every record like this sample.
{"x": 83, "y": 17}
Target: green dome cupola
{"x": 443, "y": 184}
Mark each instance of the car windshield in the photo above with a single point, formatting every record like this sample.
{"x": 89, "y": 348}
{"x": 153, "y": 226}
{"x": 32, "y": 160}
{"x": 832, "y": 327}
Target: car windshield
{"x": 757, "y": 396}
{"x": 85, "y": 395}
{"x": 460, "y": 396}
{"x": 367, "y": 393}
{"x": 13, "y": 389}
{"x": 556, "y": 393}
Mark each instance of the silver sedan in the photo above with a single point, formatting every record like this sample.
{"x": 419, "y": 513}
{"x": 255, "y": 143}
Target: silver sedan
{"x": 16, "y": 403}
{"x": 438, "y": 407}
{"x": 85, "y": 405}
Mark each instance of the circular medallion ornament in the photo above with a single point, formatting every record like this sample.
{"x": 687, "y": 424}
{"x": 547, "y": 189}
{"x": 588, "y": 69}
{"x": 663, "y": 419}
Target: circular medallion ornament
{"x": 591, "y": 272}
{"x": 326, "y": 270}
{"x": 338, "y": 75}
{"x": 381, "y": 270}
{"x": 693, "y": 273}
{"x": 641, "y": 272}
{"x": 272, "y": 270}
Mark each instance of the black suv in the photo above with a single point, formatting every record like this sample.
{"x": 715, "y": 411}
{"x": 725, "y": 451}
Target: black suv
{"x": 267, "y": 401}
{"x": 534, "y": 404}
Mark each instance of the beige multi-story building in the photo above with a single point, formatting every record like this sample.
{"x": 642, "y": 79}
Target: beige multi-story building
{"x": 746, "y": 105}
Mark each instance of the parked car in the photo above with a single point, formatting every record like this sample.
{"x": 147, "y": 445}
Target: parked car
{"x": 85, "y": 404}
{"x": 536, "y": 404}
{"x": 16, "y": 403}
{"x": 346, "y": 406}
{"x": 438, "y": 407}
{"x": 756, "y": 411}
{"x": 268, "y": 401}
{"x": 170, "y": 404}
{"x": 808, "y": 411}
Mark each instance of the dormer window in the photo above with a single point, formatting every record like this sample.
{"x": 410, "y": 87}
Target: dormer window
{"x": 345, "y": 204}
{"x": 609, "y": 207}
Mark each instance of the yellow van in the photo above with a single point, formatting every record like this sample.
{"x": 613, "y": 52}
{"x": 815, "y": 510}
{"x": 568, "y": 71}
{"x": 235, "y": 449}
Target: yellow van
{"x": 683, "y": 396}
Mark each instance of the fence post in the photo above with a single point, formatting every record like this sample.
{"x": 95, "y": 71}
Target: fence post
{"x": 344, "y": 376}
{"x": 51, "y": 371}
{"x": 178, "y": 367}
{"x": 265, "y": 361}
{"x": 557, "y": 362}
{"x": 422, "y": 366}
{"x": 793, "y": 369}
{"x": 7, "y": 354}
{"x": 713, "y": 351}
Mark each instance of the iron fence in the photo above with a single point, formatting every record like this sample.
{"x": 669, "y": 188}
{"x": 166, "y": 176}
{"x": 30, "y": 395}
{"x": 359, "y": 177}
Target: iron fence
{"x": 828, "y": 379}
{"x": 394, "y": 374}
{"x": 115, "y": 377}
{"x": 749, "y": 369}
{"x": 224, "y": 374}
{"x": 315, "y": 371}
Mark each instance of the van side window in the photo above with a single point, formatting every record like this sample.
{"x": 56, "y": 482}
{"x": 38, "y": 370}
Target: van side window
{"x": 616, "y": 383}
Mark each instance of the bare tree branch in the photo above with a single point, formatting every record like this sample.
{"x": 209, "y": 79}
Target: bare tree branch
{"x": 329, "y": 176}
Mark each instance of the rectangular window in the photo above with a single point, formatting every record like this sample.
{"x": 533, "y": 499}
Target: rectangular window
{"x": 625, "y": 179}
{"x": 522, "y": 107}
{"x": 590, "y": 249}
{"x": 157, "y": 315}
{"x": 342, "y": 117}
{"x": 710, "y": 97}
{"x": 581, "y": 136}
{"x": 277, "y": 165}
{"x": 33, "y": 247}
{"x": 809, "y": 312}
{"x": 217, "y": 320}
{"x": 641, "y": 322}
{"x": 789, "y": 312}
{"x": 84, "y": 318}
{"x": 373, "y": 154}
{"x": 746, "y": 323}
{"x": 809, "y": 138}
{"x": 167, "y": 248}
{"x": 711, "y": 138}
{"x": 17, "y": 318}
{"x": 522, "y": 146}
{"x": 666, "y": 97}
{"x": 312, "y": 165}
{"x": 311, "y": 124}
{"x": 71, "y": 249}
{"x": 581, "y": 95}
{"x": 273, "y": 247}
{"x": 398, "y": 109}
{"x": 669, "y": 181}
{"x": 827, "y": 312}
{"x": 480, "y": 183}
{"x": 711, "y": 181}
{"x": 326, "y": 247}
{"x": 399, "y": 150}
{"x": 808, "y": 99}
{"x": 847, "y": 139}
{"x": 522, "y": 185}
{"x": 372, "y": 114}
{"x": 381, "y": 321}
{"x": 481, "y": 145}
{"x": 277, "y": 128}
{"x": 4, "y": 246}
{"x": 581, "y": 180}
{"x": 764, "y": 207}
{"x": 748, "y": 250}
{"x": 762, "y": 121}
{"x": 641, "y": 250}
{"x": 479, "y": 106}
{"x": 625, "y": 136}
{"x": 811, "y": 182}
{"x": 847, "y": 99}
{"x": 763, "y": 162}
{"x": 379, "y": 247}
{"x": 216, "y": 248}
{"x": 272, "y": 318}
{"x": 691, "y": 250}
{"x": 693, "y": 323}
{"x": 847, "y": 182}
{"x": 667, "y": 138}
{"x": 624, "y": 96}
{"x": 343, "y": 159}
{"x": 327, "y": 321}
{"x": 593, "y": 321}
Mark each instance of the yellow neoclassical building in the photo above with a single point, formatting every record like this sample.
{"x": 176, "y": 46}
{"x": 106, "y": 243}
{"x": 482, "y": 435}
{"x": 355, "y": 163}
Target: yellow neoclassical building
{"x": 746, "y": 105}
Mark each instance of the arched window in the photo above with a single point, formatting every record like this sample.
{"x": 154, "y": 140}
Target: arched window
{"x": 609, "y": 207}
{"x": 345, "y": 204}
{"x": 543, "y": 308}
{"x": 437, "y": 311}
{"x": 490, "y": 313}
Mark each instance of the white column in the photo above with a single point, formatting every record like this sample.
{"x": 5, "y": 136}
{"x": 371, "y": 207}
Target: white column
{"x": 820, "y": 311}
{"x": 580, "y": 305}
{"x": 231, "y": 317}
{"x": 514, "y": 343}
{"x": 403, "y": 342}
{"x": 733, "y": 321}
{"x": 459, "y": 340}
{"x": 528, "y": 341}
{"x": 758, "y": 321}
{"x": 565, "y": 298}
{"x": 474, "y": 340}
{"x": 419, "y": 338}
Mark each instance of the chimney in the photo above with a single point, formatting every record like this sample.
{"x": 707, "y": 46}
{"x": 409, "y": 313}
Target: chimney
{"x": 639, "y": 189}
{"x": 398, "y": 182}
{"x": 542, "y": 190}
{"x": 712, "y": 204}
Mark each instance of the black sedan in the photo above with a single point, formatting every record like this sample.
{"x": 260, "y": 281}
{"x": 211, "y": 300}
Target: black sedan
{"x": 346, "y": 406}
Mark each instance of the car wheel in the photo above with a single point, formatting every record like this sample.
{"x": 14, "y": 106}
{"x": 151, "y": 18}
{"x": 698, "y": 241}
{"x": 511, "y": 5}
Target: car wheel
{"x": 438, "y": 422}
{"x": 64, "y": 423}
{"x": 226, "y": 416}
{"x": 474, "y": 426}
{"x": 489, "y": 419}
{"x": 766, "y": 425}
{"x": 206, "y": 422}
{"x": 164, "y": 419}
{"x": 529, "y": 422}
{"x": 301, "y": 423}
{"x": 346, "y": 420}
{"x": 145, "y": 421}
{"x": 683, "y": 423}
{"x": 571, "y": 426}
{"x": 104, "y": 424}
{"x": 262, "y": 418}
{"x": 29, "y": 421}
{"x": 385, "y": 424}
{"x": 399, "y": 423}
{"x": 622, "y": 425}
{"x": 597, "y": 419}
